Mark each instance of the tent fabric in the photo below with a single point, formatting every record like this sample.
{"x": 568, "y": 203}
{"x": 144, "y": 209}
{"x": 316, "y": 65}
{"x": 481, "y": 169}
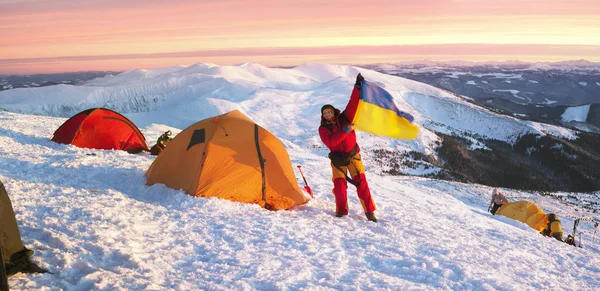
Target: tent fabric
{"x": 101, "y": 128}
{"x": 15, "y": 257}
{"x": 230, "y": 157}
{"x": 525, "y": 212}
{"x": 10, "y": 237}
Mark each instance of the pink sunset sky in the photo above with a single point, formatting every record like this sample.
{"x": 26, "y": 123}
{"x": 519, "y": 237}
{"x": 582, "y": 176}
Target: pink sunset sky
{"x": 42, "y": 36}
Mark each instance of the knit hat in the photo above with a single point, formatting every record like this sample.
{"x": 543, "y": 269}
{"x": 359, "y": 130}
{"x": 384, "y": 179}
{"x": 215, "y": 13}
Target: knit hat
{"x": 327, "y": 106}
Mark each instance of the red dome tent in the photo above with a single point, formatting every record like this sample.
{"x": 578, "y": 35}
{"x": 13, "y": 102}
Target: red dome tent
{"x": 101, "y": 128}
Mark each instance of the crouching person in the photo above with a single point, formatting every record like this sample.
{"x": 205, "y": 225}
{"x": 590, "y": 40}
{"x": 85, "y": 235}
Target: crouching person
{"x": 553, "y": 228}
{"x": 498, "y": 199}
{"x": 161, "y": 143}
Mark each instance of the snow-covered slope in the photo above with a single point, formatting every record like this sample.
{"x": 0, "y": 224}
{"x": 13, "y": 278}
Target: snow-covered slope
{"x": 271, "y": 96}
{"x": 96, "y": 226}
{"x": 578, "y": 113}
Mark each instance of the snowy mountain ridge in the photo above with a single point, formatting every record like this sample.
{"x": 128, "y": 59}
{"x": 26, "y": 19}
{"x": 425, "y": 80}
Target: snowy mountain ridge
{"x": 93, "y": 222}
{"x": 293, "y": 96}
{"x": 183, "y": 91}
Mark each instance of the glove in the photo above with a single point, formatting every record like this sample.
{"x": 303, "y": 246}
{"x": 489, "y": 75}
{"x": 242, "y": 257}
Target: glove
{"x": 349, "y": 128}
{"x": 359, "y": 80}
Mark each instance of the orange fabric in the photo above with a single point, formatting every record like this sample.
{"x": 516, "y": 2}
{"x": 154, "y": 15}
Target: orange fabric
{"x": 226, "y": 165}
{"x": 355, "y": 168}
{"x": 525, "y": 212}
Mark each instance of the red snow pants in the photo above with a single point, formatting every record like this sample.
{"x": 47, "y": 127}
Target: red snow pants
{"x": 340, "y": 185}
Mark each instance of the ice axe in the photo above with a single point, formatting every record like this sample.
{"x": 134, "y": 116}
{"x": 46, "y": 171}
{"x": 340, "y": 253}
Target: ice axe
{"x": 306, "y": 187}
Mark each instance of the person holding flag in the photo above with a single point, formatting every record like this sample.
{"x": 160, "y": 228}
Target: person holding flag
{"x": 368, "y": 104}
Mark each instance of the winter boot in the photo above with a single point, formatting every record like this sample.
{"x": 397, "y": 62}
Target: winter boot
{"x": 371, "y": 216}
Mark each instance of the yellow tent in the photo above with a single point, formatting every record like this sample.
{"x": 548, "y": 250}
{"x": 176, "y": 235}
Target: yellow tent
{"x": 528, "y": 213}
{"x": 229, "y": 157}
{"x": 10, "y": 237}
{"x": 15, "y": 257}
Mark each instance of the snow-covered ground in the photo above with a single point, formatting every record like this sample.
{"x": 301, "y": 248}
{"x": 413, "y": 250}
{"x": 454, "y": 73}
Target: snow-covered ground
{"x": 96, "y": 226}
{"x": 578, "y": 113}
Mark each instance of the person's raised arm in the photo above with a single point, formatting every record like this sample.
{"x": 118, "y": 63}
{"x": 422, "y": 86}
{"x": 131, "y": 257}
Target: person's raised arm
{"x": 352, "y": 105}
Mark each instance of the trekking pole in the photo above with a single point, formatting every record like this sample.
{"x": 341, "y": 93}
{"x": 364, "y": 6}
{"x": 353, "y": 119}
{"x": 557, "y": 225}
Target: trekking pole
{"x": 306, "y": 187}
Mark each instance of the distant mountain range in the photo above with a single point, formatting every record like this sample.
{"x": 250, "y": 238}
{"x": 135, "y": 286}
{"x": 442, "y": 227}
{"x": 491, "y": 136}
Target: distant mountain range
{"x": 8, "y": 82}
{"x": 463, "y": 138}
{"x": 534, "y": 91}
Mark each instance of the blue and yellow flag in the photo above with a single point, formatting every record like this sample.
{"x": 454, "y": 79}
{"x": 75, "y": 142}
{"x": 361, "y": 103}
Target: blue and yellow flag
{"x": 377, "y": 114}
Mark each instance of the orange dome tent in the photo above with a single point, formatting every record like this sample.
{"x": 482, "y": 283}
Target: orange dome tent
{"x": 229, "y": 157}
{"x": 101, "y": 128}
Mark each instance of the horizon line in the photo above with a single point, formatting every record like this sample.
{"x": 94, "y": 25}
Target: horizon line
{"x": 293, "y": 56}
{"x": 346, "y": 49}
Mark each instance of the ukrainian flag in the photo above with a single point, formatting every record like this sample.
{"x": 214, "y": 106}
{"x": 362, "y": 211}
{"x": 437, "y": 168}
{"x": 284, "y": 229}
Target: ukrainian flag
{"x": 377, "y": 114}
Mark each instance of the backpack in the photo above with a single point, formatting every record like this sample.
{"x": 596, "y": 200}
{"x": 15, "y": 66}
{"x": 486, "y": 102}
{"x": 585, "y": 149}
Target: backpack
{"x": 164, "y": 139}
{"x": 570, "y": 240}
{"x": 553, "y": 228}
